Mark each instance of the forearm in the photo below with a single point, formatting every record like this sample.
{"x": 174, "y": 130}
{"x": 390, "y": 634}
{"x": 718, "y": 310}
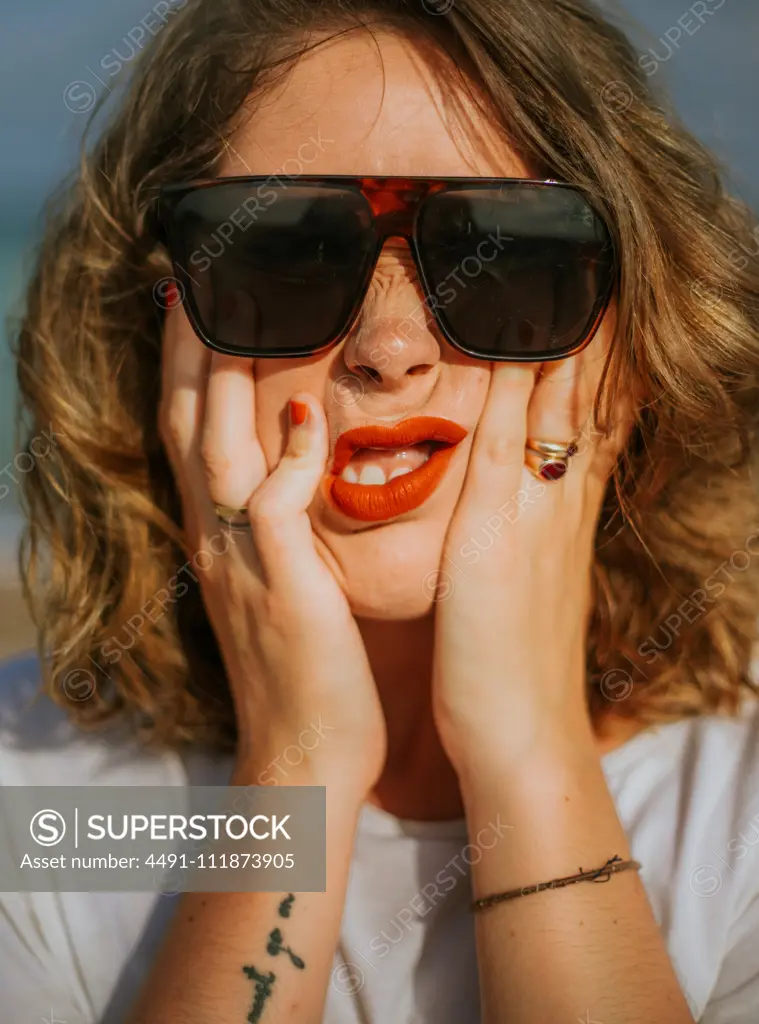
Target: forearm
{"x": 586, "y": 952}
{"x": 214, "y": 967}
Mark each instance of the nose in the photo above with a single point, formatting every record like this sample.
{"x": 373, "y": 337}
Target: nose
{"x": 393, "y": 346}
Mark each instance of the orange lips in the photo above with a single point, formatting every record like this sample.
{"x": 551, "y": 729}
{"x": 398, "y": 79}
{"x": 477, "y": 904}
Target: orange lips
{"x": 377, "y": 502}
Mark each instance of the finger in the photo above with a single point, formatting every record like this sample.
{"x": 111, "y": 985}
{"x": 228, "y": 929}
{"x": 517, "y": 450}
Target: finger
{"x": 279, "y": 508}
{"x": 232, "y": 455}
{"x": 588, "y": 368}
{"x": 563, "y": 399}
{"x": 184, "y": 370}
{"x": 605, "y": 447}
{"x": 599, "y": 445}
{"x": 561, "y": 410}
{"x": 496, "y": 461}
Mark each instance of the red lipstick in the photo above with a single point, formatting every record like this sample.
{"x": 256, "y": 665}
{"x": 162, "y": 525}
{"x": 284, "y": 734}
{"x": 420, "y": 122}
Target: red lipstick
{"x": 374, "y": 503}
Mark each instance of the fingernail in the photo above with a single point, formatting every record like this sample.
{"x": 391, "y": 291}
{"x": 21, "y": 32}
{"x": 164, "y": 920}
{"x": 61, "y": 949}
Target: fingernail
{"x": 298, "y": 412}
{"x": 171, "y": 298}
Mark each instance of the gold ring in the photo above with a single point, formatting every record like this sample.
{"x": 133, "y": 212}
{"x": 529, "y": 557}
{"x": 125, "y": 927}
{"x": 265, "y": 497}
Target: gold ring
{"x": 558, "y": 450}
{"x": 236, "y": 518}
{"x": 546, "y": 467}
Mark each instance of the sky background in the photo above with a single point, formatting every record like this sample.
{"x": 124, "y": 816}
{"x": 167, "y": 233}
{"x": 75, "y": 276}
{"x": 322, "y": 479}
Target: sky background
{"x": 50, "y": 51}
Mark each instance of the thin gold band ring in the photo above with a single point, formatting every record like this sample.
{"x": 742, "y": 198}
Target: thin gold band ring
{"x": 235, "y": 518}
{"x": 560, "y": 449}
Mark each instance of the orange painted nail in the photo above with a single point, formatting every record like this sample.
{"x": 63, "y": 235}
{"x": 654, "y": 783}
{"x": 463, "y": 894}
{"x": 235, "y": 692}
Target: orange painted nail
{"x": 298, "y": 412}
{"x": 171, "y": 296}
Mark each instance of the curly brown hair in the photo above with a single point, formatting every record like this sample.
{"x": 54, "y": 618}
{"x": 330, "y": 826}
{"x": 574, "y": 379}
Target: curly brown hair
{"x": 104, "y": 536}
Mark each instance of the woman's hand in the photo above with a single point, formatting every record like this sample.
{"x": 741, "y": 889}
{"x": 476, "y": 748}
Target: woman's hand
{"x": 510, "y": 707}
{"x": 512, "y": 613}
{"x": 293, "y": 653}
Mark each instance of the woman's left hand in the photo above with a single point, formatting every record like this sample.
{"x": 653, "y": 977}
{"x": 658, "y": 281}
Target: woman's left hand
{"x": 514, "y": 593}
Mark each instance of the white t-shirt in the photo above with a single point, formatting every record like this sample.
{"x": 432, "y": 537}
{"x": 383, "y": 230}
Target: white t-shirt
{"x": 687, "y": 794}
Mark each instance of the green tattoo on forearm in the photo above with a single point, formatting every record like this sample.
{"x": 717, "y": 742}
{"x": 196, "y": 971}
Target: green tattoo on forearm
{"x": 274, "y": 946}
{"x": 285, "y": 905}
{"x": 264, "y": 983}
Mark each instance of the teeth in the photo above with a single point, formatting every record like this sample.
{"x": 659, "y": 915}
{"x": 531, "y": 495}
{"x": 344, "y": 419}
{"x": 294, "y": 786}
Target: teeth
{"x": 371, "y": 474}
{"x": 376, "y": 474}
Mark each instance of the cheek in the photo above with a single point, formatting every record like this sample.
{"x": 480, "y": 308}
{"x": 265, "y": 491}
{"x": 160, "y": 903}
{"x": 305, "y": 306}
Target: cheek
{"x": 271, "y": 421}
{"x": 277, "y": 380}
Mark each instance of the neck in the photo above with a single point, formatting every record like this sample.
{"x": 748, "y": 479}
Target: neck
{"x": 418, "y": 781}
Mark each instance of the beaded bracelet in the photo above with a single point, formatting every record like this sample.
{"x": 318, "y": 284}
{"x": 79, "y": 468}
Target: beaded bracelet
{"x": 611, "y": 867}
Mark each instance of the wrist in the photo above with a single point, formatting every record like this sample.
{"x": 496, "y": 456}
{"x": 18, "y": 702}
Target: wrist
{"x": 544, "y": 749}
{"x": 341, "y": 782}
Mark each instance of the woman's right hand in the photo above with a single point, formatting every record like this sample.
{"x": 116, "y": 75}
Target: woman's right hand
{"x": 293, "y": 653}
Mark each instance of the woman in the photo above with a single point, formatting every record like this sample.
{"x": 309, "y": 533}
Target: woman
{"x": 454, "y": 370}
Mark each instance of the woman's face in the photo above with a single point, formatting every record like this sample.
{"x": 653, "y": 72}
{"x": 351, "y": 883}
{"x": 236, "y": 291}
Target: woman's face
{"x": 368, "y": 105}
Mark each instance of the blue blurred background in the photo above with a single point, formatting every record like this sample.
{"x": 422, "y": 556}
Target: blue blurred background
{"x": 48, "y": 51}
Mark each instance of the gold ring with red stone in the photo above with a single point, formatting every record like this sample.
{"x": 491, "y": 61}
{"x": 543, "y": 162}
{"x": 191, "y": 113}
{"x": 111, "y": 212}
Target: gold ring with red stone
{"x": 549, "y": 460}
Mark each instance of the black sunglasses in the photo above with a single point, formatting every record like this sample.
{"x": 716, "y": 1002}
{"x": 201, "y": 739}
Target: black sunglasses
{"x": 510, "y": 269}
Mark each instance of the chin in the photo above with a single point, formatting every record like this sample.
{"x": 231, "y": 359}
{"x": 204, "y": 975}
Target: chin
{"x": 388, "y": 572}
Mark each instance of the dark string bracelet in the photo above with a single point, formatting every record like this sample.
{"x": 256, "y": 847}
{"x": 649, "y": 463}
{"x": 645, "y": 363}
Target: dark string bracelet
{"x": 602, "y": 874}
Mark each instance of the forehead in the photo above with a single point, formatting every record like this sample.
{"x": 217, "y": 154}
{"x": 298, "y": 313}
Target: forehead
{"x": 368, "y": 104}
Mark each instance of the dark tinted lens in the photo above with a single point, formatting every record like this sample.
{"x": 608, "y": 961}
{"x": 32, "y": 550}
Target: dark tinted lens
{"x": 518, "y": 271}
{"x": 272, "y": 270}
